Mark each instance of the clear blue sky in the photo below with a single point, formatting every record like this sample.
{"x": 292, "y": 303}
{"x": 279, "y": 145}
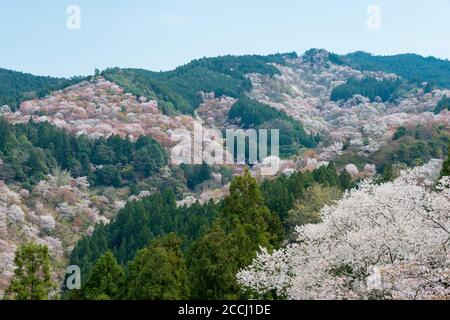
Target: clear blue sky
{"x": 162, "y": 34}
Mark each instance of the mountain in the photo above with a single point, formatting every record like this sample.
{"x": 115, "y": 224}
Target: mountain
{"x": 73, "y": 152}
{"x": 352, "y": 104}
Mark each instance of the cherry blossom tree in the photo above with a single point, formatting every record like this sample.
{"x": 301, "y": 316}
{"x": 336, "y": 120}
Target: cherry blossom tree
{"x": 388, "y": 241}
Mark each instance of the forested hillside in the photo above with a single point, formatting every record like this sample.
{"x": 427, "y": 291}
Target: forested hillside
{"x": 252, "y": 114}
{"x": 368, "y": 87}
{"x": 139, "y": 223}
{"x": 16, "y": 87}
{"x": 177, "y": 91}
{"x": 33, "y": 150}
{"x": 361, "y": 192}
{"x": 412, "y": 67}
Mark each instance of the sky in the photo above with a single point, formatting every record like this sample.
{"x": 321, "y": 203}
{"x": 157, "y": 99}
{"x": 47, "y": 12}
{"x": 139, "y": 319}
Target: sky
{"x": 42, "y": 36}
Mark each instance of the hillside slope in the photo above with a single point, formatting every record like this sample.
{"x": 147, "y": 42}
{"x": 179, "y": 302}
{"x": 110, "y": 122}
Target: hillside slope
{"x": 16, "y": 87}
{"x": 409, "y": 66}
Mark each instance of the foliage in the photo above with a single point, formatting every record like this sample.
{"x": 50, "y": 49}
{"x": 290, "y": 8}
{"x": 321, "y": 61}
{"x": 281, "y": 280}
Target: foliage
{"x": 32, "y": 150}
{"x": 346, "y": 180}
{"x": 215, "y": 240}
{"x": 177, "y": 90}
{"x": 400, "y": 133}
{"x": 106, "y": 279}
{"x": 196, "y": 174}
{"x": 446, "y": 166}
{"x": 281, "y": 194}
{"x": 158, "y": 272}
{"x": 367, "y": 87}
{"x": 411, "y": 67}
{"x": 139, "y": 223}
{"x": 307, "y": 208}
{"x": 32, "y": 280}
{"x": 414, "y": 147}
{"x": 16, "y": 87}
{"x": 387, "y": 241}
{"x": 244, "y": 225}
{"x": 252, "y": 114}
{"x": 444, "y": 104}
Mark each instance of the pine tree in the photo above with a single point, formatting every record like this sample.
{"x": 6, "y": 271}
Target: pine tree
{"x": 388, "y": 174}
{"x": 346, "y": 181}
{"x": 158, "y": 272}
{"x": 332, "y": 176}
{"x": 244, "y": 226}
{"x": 212, "y": 266}
{"x": 307, "y": 208}
{"x": 32, "y": 280}
{"x": 277, "y": 197}
{"x": 106, "y": 279}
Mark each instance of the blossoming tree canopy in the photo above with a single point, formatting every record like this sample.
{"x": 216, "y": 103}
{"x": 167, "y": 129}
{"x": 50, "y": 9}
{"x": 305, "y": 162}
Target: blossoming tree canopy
{"x": 388, "y": 241}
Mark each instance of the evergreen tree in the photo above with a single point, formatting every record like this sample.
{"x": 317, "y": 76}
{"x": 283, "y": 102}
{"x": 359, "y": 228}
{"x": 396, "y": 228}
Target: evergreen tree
{"x": 327, "y": 175}
{"x": 244, "y": 226}
{"x": 30, "y": 151}
{"x": 281, "y": 201}
{"x": 332, "y": 176}
{"x": 196, "y": 174}
{"x": 368, "y": 87}
{"x": 245, "y": 208}
{"x": 32, "y": 280}
{"x": 158, "y": 272}
{"x": 388, "y": 174}
{"x": 106, "y": 279}
{"x": 213, "y": 264}
{"x": 346, "y": 181}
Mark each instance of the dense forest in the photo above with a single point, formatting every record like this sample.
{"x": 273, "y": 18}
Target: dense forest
{"x": 411, "y": 67}
{"x": 155, "y": 251}
{"x": 139, "y": 223}
{"x": 203, "y": 238}
{"x": 177, "y": 90}
{"x": 367, "y": 87}
{"x": 252, "y": 114}
{"x": 413, "y": 147}
{"x": 16, "y": 87}
{"x": 32, "y": 150}
{"x": 196, "y": 174}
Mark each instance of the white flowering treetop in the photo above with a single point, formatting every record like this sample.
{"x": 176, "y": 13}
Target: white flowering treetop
{"x": 389, "y": 241}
